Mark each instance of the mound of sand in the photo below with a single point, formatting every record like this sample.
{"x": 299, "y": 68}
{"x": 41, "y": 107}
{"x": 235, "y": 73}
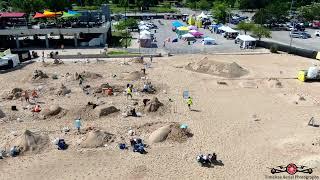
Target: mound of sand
{"x": 31, "y": 142}
{"x": 248, "y": 84}
{"x": 274, "y": 83}
{"x": 160, "y": 134}
{"x": 38, "y": 74}
{"x": 88, "y": 75}
{"x": 105, "y": 110}
{"x": 171, "y": 132}
{"x": 135, "y": 75}
{"x": 153, "y": 105}
{"x": 52, "y": 111}
{"x": 227, "y": 70}
{"x": 97, "y": 138}
{"x": 63, "y": 90}
{"x": 15, "y": 93}
{"x": 137, "y": 60}
{"x": 2, "y": 114}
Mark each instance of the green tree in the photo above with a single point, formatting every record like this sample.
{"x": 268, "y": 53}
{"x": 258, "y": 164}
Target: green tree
{"x": 203, "y": 5}
{"x": 260, "y": 32}
{"x": 245, "y": 26}
{"x": 57, "y": 5}
{"x": 130, "y": 23}
{"x": 220, "y": 11}
{"x": 27, "y": 6}
{"x": 276, "y": 12}
{"x": 309, "y": 12}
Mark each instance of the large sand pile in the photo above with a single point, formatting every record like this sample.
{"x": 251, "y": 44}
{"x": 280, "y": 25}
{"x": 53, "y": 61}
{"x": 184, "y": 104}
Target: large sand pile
{"x": 88, "y": 75}
{"x": 133, "y": 76}
{"x": 153, "y": 105}
{"x": 15, "y": 93}
{"x": 63, "y": 90}
{"x": 171, "y": 132}
{"x": 31, "y": 142}
{"x": 97, "y": 138}
{"x": 222, "y": 69}
{"x": 38, "y": 75}
{"x": 105, "y": 110}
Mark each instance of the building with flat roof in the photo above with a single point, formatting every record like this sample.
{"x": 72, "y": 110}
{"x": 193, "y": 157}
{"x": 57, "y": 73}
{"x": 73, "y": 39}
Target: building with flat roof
{"x": 90, "y": 28}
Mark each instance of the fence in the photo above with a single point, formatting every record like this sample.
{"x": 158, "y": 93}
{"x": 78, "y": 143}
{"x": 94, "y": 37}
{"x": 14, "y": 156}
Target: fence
{"x": 286, "y": 48}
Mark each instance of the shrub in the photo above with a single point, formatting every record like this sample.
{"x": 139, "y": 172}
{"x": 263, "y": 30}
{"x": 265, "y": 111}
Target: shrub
{"x": 274, "y": 49}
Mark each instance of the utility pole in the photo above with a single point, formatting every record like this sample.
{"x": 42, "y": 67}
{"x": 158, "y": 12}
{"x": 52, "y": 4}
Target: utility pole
{"x": 125, "y": 21}
{"x": 293, "y": 24}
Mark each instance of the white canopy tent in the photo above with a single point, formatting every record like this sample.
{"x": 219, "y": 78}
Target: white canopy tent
{"x": 145, "y": 32}
{"x": 227, "y": 29}
{"x": 202, "y": 16}
{"x": 143, "y": 27}
{"x": 246, "y": 41}
{"x": 208, "y": 41}
{"x": 188, "y": 37}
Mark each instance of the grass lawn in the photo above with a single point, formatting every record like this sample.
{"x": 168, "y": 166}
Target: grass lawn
{"x": 115, "y": 53}
{"x": 118, "y": 39}
{"x": 157, "y": 9}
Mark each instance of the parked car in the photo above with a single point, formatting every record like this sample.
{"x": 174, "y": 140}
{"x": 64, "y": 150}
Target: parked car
{"x": 300, "y": 34}
{"x": 317, "y": 33}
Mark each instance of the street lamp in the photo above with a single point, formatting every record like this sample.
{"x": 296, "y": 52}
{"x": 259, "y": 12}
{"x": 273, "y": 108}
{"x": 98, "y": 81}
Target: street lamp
{"x": 125, "y": 21}
{"x": 293, "y": 24}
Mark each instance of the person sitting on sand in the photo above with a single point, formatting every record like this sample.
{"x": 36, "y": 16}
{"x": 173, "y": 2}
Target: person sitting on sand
{"x": 34, "y": 94}
{"x": 62, "y": 145}
{"x": 14, "y": 151}
{"x": 36, "y": 108}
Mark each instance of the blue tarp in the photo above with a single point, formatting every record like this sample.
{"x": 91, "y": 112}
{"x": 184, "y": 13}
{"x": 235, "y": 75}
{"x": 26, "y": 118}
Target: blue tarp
{"x": 177, "y": 24}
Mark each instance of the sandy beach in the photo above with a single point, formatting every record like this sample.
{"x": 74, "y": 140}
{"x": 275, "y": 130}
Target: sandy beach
{"x": 253, "y": 114}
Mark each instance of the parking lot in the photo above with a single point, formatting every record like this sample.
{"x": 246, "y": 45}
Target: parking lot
{"x": 283, "y": 37}
{"x": 165, "y": 32}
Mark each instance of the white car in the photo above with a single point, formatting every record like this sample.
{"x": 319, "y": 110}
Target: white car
{"x": 317, "y": 33}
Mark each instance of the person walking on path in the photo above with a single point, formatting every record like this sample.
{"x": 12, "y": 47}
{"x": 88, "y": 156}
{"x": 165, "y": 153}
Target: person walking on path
{"x": 77, "y": 123}
{"x": 189, "y": 102}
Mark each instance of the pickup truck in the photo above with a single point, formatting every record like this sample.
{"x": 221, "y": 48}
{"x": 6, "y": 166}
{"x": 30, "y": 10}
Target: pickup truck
{"x": 9, "y": 61}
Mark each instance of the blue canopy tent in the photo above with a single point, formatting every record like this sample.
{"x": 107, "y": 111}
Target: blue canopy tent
{"x": 215, "y": 27}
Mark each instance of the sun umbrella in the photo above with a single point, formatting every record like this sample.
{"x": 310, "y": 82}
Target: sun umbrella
{"x": 38, "y": 15}
{"x": 193, "y": 31}
{"x": 74, "y": 12}
{"x": 68, "y": 15}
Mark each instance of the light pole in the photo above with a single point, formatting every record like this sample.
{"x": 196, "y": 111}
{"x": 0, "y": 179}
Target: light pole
{"x": 293, "y": 24}
{"x": 125, "y": 21}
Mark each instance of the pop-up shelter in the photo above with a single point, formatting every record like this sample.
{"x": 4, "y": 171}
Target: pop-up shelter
{"x": 208, "y": 41}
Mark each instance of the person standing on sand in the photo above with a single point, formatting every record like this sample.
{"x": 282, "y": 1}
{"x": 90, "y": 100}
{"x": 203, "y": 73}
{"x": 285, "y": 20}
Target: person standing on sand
{"x": 26, "y": 96}
{"x": 189, "y": 102}
{"x": 129, "y": 91}
{"x": 77, "y": 123}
